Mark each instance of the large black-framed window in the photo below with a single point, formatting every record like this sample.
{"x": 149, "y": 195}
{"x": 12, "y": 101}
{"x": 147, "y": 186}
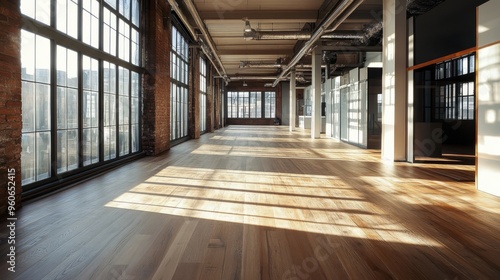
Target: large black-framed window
{"x": 80, "y": 78}
{"x": 455, "y": 83}
{"x": 251, "y": 104}
{"x": 179, "y": 73}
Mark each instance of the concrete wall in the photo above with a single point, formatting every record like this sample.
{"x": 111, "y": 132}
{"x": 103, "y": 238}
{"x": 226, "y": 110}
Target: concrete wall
{"x": 488, "y": 97}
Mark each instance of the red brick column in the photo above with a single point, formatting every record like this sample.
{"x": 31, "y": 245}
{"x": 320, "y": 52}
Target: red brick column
{"x": 279, "y": 101}
{"x": 219, "y": 115}
{"x": 156, "y": 98}
{"x": 10, "y": 101}
{"x": 210, "y": 100}
{"x": 194, "y": 93}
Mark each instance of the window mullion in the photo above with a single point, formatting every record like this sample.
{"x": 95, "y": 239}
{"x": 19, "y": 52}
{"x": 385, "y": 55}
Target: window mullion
{"x": 53, "y": 108}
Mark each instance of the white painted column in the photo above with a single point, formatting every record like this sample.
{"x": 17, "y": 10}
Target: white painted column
{"x": 394, "y": 95}
{"x": 411, "y": 94}
{"x": 488, "y": 98}
{"x": 293, "y": 98}
{"x": 316, "y": 93}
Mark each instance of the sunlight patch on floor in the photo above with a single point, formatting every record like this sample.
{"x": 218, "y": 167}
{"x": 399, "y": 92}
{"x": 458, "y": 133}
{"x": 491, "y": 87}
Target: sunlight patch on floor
{"x": 317, "y": 204}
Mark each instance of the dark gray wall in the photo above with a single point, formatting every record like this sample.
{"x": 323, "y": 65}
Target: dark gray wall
{"x": 448, "y": 28}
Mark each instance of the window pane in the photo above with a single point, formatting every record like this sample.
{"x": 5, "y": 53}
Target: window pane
{"x": 124, "y": 140}
{"x": 61, "y": 108}
{"x": 28, "y": 158}
{"x": 43, "y": 11}
{"x": 125, "y": 8}
{"x": 42, "y": 111}
{"x": 72, "y": 146}
{"x": 62, "y": 149}
{"x": 112, "y": 3}
{"x": 62, "y": 15}
{"x": 72, "y": 69}
{"x": 28, "y": 106}
{"x": 28, "y": 8}
{"x": 42, "y": 155}
{"x": 27, "y": 56}
{"x": 42, "y": 72}
{"x": 135, "y": 12}
{"x": 72, "y": 108}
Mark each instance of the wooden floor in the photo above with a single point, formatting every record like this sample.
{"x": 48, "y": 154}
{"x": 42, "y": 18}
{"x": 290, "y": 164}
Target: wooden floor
{"x": 262, "y": 203}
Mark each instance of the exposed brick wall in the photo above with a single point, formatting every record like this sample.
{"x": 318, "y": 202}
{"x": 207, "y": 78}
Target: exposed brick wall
{"x": 10, "y": 99}
{"x": 210, "y": 101}
{"x": 279, "y": 101}
{"x": 194, "y": 93}
{"x": 257, "y": 87}
{"x": 156, "y": 118}
{"x": 217, "y": 103}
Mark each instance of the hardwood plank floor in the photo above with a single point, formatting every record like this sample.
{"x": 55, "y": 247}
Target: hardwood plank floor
{"x": 260, "y": 202}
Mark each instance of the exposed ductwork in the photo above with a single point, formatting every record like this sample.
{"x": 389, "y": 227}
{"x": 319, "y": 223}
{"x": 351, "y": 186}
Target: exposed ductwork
{"x": 251, "y": 64}
{"x": 251, "y": 78}
{"x": 418, "y": 7}
{"x": 296, "y": 35}
{"x": 344, "y": 10}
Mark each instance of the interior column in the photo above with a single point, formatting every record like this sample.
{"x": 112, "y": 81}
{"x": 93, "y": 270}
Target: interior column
{"x": 316, "y": 93}
{"x": 394, "y": 99}
{"x": 293, "y": 97}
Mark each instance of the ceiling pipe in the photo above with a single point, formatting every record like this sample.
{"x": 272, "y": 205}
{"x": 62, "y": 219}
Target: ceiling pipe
{"x": 347, "y": 5}
{"x": 207, "y": 52}
{"x": 249, "y": 78}
{"x": 418, "y": 7}
{"x": 295, "y": 35}
{"x": 250, "y": 64}
{"x": 208, "y": 39}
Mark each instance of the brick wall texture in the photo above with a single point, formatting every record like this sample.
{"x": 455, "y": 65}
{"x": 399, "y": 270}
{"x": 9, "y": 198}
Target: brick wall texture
{"x": 10, "y": 100}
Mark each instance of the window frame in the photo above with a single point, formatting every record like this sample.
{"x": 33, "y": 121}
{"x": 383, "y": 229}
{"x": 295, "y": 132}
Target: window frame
{"x": 76, "y": 44}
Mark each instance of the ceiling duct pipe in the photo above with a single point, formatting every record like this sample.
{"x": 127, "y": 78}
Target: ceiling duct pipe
{"x": 334, "y": 18}
{"x": 418, "y": 7}
{"x": 296, "y": 35}
{"x": 250, "y": 78}
{"x": 208, "y": 39}
{"x": 251, "y": 64}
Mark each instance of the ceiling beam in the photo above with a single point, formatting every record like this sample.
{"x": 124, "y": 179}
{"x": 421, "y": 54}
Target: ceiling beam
{"x": 352, "y": 48}
{"x": 295, "y": 16}
{"x": 255, "y": 52}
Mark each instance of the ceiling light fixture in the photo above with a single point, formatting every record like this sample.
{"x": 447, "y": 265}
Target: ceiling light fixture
{"x": 248, "y": 28}
{"x": 245, "y": 84}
